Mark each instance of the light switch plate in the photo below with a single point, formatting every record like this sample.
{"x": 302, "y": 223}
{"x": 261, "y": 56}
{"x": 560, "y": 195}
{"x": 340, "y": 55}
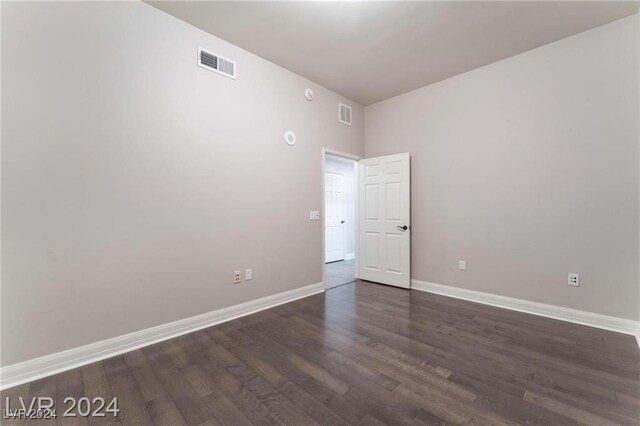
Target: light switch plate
{"x": 248, "y": 274}
{"x": 314, "y": 215}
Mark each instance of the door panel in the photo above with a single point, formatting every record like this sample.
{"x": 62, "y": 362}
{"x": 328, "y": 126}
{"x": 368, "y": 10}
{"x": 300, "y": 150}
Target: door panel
{"x": 371, "y": 202}
{"x": 384, "y": 209}
{"x": 371, "y": 260}
{"x": 394, "y": 209}
{"x": 394, "y": 253}
{"x": 334, "y": 216}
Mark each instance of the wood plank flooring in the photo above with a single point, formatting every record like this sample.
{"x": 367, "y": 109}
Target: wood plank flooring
{"x": 367, "y": 354}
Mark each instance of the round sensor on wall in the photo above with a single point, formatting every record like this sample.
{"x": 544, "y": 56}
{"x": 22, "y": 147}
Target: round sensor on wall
{"x": 308, "y": 93}
{"x": 290, "y": 137}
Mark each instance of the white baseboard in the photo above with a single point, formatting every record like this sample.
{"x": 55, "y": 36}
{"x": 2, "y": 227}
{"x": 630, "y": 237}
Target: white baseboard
{"x": 349, "y": 256}
{"x": 27, "y": 371}
{"x": 620, "y": 325}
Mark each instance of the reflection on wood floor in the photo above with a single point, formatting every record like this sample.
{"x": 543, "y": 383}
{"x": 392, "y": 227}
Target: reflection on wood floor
{"x": 339, "y": 273}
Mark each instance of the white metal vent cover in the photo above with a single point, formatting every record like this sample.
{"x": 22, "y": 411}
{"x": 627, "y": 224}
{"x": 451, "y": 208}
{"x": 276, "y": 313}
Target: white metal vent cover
{"x": 344, "y": 114}
{"x": 216, "y": 63}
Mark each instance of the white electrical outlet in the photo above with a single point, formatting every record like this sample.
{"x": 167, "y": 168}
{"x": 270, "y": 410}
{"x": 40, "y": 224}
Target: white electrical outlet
{"x": 574, "y": 280}
{"x": 236, "y": 277}
{"x": 462, "y": 265}
{"x": 248, "y": 274}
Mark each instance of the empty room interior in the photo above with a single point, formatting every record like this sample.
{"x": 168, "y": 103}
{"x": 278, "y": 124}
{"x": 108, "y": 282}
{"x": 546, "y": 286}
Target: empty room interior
{"x": 320, "y": 212}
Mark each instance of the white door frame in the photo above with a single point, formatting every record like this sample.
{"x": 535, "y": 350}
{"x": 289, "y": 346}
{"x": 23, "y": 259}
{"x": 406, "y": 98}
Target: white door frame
{"x": 355, "y": 158}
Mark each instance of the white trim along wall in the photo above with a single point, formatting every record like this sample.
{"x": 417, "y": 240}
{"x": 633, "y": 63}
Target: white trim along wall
{"x": 27, "y": 371}
{"x": 24, "y": 372}
{"x": 605, "y": 322}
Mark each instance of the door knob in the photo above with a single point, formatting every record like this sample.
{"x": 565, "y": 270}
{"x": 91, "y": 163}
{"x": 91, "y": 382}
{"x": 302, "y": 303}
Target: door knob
{"x": 402, "y": 228}
{"x": 342, "y": 221}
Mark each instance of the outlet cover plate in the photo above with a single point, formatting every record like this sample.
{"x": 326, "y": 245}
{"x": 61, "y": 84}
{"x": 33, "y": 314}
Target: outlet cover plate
{"x": 573, "y": 280}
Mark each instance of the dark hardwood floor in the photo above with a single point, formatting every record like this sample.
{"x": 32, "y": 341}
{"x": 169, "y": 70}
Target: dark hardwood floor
{"x": 367, "y": 354}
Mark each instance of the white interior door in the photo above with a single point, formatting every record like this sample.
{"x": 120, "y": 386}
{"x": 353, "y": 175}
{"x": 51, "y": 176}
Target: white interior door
{"x": 384, "y": 237}
{"x": 334, "y": 216}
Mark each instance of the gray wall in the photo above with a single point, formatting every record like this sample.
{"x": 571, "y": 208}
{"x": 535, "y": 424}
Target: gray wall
{"x": 527, "y": 169}
{"x": 134, "y": 182}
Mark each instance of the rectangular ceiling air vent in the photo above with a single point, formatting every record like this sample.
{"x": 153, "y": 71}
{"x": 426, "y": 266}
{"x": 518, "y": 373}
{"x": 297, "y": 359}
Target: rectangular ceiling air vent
{"x": 216, "y": 63}
{"x": 344, "y": 114}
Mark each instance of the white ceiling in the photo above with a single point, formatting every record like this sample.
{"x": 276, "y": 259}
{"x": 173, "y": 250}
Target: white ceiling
{"x": 370, "y": 51}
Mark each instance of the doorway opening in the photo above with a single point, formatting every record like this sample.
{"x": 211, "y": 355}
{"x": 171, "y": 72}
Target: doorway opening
{"x": 340, "y": 216}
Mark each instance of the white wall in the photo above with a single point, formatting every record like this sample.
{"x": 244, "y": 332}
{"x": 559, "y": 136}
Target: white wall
{"x": 346, "y": 167}
{"x": 134, "y": 182}
{"x": 528, "y": 169}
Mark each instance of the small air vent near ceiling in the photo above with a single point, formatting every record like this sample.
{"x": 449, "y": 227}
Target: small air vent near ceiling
{"x": 216, "y": 63}
{"x": 344, "y": 114}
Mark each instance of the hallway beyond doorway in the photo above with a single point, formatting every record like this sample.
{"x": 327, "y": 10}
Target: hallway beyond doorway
{"x": 339, "y": 273}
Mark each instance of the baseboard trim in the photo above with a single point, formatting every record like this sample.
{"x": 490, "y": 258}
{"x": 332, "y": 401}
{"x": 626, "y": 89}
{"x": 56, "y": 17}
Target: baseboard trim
{"x": 34, "y": 369}
{"x": 349, "y": 256}
{"x": 620, "y": 325}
